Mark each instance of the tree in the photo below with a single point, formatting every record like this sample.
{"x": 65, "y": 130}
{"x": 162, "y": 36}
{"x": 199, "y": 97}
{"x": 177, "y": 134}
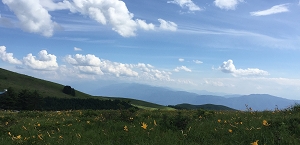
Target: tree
{"x": 8, "y": 99}
{"x": 69, "y": 90}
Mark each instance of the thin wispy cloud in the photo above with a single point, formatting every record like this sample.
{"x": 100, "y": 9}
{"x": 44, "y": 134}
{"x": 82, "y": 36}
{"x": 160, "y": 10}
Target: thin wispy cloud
{"x": 77, "y": 49}
{"x": 197, "y": 61}
{"x": 273, "y": 10}
{"x": 184, "y": 68}
{"x": 186, "y": 4}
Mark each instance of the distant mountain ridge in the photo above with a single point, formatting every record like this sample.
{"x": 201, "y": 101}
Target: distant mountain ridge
{"x": 165, "y": 96}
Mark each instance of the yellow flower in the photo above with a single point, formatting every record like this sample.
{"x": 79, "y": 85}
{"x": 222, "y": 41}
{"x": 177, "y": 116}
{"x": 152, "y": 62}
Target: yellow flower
{"x": 230, "y": 130}
{"x": 219, "y": 120}
{"x": 18, "y": 137}
{"x": 9, "y": 133}
{"x": 38, "y": 124}
{"x": 24, "y": 128}
{"x": 154, "y": 123}
{"x": 265, "y": 123}
{"x": 60, "y": 136}
{"x": 6, "y": 123}
{"x": 255, "y": 143}
{"x": 125, "y": 128}
{"x": 88, "y": 122}
{"x": 40, "y": 136}
{"x": 144, "y": 125}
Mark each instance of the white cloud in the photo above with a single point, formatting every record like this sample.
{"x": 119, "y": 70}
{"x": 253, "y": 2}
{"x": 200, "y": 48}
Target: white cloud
{"x": 32, "y": 16}
{"x": 227, "y": 4}
{"x": 228, "y": 67}
{"x": 44, "y": 61}
{"x": 167, "y": 25}
{"x": 91, "y": 64}
{"x": 77, "y": 49}
{"x": 186, "y": 3}
{"x": 112, "y": 12}
{"x": 184, "y": 68}
{"x": 8, "y": 57}
{"x": 181, "y": 59}
{"x": 197, "y": 61}
{"x": 273, "y": 10}
{"x": 83, "y": 60}
{"x": 52, "y": 6}
{"x": 90, "y": 70}
{"x": 143, "y": 25}
{"x": 150, "y": 73}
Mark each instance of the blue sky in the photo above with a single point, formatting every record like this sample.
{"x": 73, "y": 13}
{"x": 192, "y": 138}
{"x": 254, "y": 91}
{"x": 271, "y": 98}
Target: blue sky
{"x": 235, "y": 47}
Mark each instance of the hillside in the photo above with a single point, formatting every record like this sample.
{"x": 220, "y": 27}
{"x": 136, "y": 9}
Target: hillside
{"x": 205, "y": 106}
{"x": 142, "y": 104}
{"x": 45, "y": 88}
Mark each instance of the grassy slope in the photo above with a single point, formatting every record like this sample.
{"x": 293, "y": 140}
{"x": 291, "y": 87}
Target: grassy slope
{"x": 46, "y": 88}
{"x": 142, "y": 104}
{"x": 205, "y": 106}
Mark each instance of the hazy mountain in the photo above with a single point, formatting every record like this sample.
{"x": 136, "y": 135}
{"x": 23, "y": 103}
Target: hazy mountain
{"x": 165, "y": 96}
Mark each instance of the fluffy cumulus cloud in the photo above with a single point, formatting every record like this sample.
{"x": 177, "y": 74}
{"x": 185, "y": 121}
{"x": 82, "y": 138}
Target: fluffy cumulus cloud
{"x": 50, "y": 5}
{"x": 273, "y": 10}
{"x": 91, "y": 64}
{"x": 167, "y": 25}
{"x": 44, "y": 61}
{"x": 8, "y": 57}
{"x": 148, "y": 72}
{"x": 112, "y": 12}
{"x": 83, "y": 60}
{"x": 184, "y": 68}
{"x": 186, "y": 4}
{"x": 33, "y": 16}
{"x": 228, "y": 67}
{"x": 227, "y": 4}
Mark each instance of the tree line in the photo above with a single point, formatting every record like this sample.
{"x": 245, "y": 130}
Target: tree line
{"x": 33, "y": 100}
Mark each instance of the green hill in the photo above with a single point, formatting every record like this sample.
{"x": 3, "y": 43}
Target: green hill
{"x": 143, "y": 104}
{"x": 45, "y": 88}
{"x": 205, "y": 106}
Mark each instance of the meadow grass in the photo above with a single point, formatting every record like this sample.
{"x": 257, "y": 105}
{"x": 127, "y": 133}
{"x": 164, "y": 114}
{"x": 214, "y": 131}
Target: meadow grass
{"x": 149, "y": 127}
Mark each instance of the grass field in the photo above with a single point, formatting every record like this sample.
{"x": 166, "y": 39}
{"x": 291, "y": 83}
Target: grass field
{"x": 145, "y": 127}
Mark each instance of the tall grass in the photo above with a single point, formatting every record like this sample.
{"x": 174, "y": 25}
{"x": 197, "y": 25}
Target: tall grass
{"x": 144, "y": 127}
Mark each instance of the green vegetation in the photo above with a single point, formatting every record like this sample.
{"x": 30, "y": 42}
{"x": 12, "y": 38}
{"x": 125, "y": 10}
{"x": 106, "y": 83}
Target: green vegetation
{"x": 46, "y": 88}
{"x": 142, "y": 104}
{"x": 192, "y": 127}
{"x": 32, "y": 100}
{"x": 205, "y": 106}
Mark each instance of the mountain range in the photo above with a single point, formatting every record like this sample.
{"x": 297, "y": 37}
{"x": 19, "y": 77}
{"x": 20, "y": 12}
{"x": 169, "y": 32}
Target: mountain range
{"x": 165, "y": 96}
